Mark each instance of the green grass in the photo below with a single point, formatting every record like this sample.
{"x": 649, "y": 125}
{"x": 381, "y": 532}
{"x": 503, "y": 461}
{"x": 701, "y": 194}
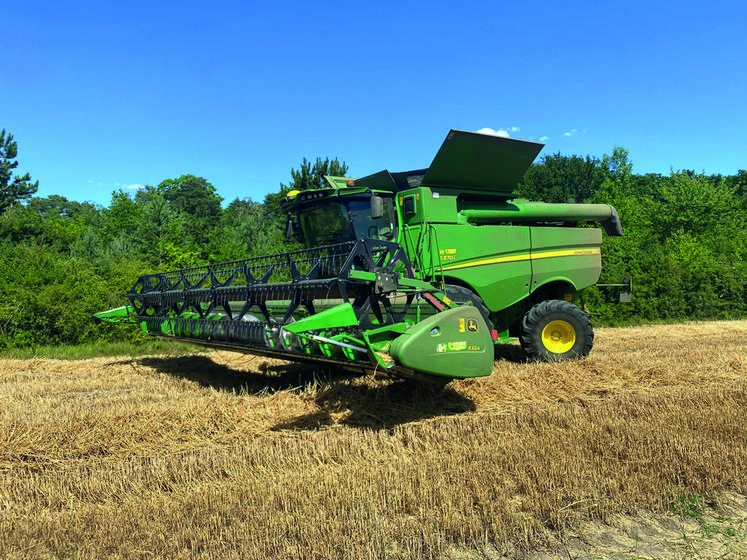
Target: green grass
{"x": 696, "y": 506}
{"x": 104, "y": 349}
{"x": 691, "y": 506}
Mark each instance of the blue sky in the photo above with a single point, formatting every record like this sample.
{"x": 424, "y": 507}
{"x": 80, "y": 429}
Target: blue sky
{"x": 109, "y": 95}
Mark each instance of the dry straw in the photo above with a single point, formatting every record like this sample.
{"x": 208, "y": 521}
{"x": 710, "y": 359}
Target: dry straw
{"x": 227, "y": 456}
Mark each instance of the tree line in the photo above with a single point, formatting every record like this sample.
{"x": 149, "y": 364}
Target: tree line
{"x": 685, "y": 238}
{"x": 61, "y": 260}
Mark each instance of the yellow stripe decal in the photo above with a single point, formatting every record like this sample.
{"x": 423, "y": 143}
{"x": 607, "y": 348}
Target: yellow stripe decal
{"x": 527, "y": 257}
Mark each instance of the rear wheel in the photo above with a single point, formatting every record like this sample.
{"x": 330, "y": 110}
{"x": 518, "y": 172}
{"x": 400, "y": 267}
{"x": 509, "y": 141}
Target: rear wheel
{"x": 556, "y": 330}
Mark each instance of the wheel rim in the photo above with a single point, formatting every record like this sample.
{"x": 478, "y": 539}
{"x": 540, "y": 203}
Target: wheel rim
{"x": 558, "y": 337}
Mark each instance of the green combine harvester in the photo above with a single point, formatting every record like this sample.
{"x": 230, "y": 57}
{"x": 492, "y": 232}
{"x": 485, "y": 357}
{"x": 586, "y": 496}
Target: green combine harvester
{"x": 416, "y": 274}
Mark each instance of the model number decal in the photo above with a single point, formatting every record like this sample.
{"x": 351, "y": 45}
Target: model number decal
{"x": 447, "y": 254}
{"x": 460, "y": 346}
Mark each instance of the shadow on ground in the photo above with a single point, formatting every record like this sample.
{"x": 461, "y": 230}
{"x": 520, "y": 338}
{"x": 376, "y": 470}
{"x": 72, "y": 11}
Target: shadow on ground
{"x": 511, "y": 353}
{"x": 267, "y": 378}
{"x": 378, "y": 404}
{"x": 342, "y": 397}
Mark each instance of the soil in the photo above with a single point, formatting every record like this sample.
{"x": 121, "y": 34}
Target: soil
{"x": 715, "y": 533}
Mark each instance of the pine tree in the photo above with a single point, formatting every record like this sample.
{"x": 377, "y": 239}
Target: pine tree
{"x": 12, "y": 188}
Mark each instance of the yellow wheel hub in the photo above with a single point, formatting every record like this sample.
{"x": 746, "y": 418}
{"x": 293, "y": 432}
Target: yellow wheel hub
{"x": 558, "y": 337}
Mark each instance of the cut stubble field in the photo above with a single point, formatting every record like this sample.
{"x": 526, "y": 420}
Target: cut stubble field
{"x": 638, "y": 451}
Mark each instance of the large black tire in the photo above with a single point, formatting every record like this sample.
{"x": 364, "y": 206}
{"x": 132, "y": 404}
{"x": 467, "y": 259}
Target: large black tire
{"x": 458, "y": 294}
{"x": 556, "y": 330}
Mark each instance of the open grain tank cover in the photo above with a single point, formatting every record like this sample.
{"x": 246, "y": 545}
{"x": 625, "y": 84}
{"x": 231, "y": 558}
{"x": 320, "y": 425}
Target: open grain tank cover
{"x": 472, "y": 160}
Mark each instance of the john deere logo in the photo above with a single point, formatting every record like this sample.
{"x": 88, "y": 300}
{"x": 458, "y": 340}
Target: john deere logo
{"x": 472, "y": 326}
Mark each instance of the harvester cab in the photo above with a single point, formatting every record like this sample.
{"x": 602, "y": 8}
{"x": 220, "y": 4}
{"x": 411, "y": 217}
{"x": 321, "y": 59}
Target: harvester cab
{"x": 341, "y": 213}
{"x": 416, "y": 274}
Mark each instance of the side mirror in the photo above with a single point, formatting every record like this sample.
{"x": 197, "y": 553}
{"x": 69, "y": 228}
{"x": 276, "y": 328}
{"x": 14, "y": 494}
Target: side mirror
{"x": 377, "y": 207}
{"x": 289, "y": 227}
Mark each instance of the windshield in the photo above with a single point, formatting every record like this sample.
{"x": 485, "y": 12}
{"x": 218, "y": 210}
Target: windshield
{"x": 336, "y": 222}
{"x": 325, "y": 224}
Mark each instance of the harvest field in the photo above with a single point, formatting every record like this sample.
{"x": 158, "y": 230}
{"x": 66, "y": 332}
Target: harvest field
{"x": 220, "y": 455}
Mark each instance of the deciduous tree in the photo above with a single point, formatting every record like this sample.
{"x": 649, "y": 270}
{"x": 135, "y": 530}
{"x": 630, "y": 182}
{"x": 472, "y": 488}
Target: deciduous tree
{"x": 559, "y": 178}
{"x": 198, "y": 203}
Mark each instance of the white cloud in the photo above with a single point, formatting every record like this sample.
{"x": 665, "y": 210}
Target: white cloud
{"x": 133, "y": 187}
{"x": 500, "y": 132}
{"x": 544, "y": 138}
{"x": 571, "y": 133}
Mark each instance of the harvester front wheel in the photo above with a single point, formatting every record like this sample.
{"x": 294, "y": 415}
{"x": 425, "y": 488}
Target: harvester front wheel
{"x": 460, "y": 295}
{"x": 556, "y": 330}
